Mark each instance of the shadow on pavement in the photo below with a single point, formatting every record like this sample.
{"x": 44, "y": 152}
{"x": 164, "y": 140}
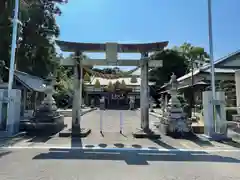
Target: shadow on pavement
{"x": 162, "y": 144}
{"x": 132, "y": 157}
{"x": 40, "y": 139}
{"x": 76, "y": 142}
{"x": 231, "y": 143}
{"x": 4, "y": 153}
{"x": 199, "y": 141}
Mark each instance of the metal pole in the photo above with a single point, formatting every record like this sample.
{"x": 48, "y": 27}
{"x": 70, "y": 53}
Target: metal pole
{"x": 211, "y": 48}
{"x": 211, "y": 59}
{"x": 121, "y": 122}
{"x": 192, "y": 97}
{"x": 101, "y": 121}
{"x": 13, "y": 51}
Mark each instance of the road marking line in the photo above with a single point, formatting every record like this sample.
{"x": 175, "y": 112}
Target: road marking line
{"x": 158, "y": 154}
{"x": 96, "y": 152}
{"x": 120, "y": 149}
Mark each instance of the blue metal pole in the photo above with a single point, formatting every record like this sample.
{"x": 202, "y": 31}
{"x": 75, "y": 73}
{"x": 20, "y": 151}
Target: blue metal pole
{"x": 13, "y": 51}
{"x": 210, "y": 36}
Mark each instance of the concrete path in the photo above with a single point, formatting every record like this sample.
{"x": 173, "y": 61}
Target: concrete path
{"x": 116, "y": 156}
{"x": 111, "y": 137}
{"x": 62, "y": 164}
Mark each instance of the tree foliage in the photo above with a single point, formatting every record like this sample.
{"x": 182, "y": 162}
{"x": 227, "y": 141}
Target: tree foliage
{"x": 172, "y": 63}
{"x": 123, "y": 85}
{"x": 37, "y": 46}
{"x": 196, "y": 56}
{"x": 87, "y": 77}
{"x": 97, "y": 84}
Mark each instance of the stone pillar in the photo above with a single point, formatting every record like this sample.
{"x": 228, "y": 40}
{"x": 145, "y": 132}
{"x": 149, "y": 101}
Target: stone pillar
{"x": 237, "y": 85}
{"x": 77, "y": 96}
{"x": 144, "y": 92}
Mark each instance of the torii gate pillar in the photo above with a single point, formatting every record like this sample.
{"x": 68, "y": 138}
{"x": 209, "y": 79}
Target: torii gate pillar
{"x": 145, "y": 131}
{"x": 144, "y": 92}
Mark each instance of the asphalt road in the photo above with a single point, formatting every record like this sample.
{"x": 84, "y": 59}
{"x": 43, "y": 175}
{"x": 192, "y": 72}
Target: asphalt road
{"x": 62, "y": 164}
{"x": 118, "y": 156}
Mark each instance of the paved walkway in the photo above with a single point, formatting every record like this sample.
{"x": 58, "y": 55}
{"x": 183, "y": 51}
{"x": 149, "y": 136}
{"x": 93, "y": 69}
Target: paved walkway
{"x": 61, "y": 164}
{"x": 103, "y": 157}
{"x": 111, "y": 137}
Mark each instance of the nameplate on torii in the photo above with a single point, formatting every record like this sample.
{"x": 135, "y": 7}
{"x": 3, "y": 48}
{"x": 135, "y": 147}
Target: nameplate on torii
{"x": 155, "y": 63}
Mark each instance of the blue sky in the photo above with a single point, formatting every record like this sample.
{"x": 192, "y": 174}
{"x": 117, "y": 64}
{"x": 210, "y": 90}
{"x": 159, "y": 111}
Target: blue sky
{"x": 176, "y": 21}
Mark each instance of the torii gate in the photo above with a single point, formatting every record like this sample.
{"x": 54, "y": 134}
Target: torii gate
{"x": 111, "y": 50}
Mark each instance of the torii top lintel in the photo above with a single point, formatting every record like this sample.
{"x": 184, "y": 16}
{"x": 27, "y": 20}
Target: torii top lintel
{"x": 101, "y": 47}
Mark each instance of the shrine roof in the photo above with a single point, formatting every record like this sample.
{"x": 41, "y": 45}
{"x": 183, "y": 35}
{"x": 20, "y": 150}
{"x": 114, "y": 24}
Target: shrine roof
{"x": 101, "y": 47}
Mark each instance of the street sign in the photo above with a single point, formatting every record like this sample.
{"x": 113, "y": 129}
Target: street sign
{"x": 155, "y": 63}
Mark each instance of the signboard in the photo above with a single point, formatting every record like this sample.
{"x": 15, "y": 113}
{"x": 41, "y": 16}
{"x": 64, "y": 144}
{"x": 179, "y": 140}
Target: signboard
{"x": 117, "y": 96}
{"x": 155, "y": 63}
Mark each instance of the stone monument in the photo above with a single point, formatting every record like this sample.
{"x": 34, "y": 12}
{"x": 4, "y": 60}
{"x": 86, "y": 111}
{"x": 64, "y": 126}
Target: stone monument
{"x": 46, "y": 118}
{"x": 174, "y": 121}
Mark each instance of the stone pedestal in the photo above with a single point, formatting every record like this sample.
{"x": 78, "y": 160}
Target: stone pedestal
{"x": 174, "y": 121}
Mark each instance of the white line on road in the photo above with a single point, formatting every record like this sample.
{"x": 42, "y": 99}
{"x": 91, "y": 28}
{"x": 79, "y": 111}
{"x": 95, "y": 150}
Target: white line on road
{"x": 120, "y": 149}
{"x": 96, "y": 152}
{"x": 158, "y": 154}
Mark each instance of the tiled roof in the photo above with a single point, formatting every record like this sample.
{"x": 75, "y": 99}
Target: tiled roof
{"x": 32, "y": 82}
{"x": 105, "y": 82}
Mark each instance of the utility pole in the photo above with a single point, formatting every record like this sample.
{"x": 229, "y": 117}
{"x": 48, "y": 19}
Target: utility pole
{"x": 210, "y": 36}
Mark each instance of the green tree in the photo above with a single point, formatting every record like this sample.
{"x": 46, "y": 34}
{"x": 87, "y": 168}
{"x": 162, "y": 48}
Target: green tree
{"x": 195, "y": 55}
{"x": 117, "y": 85}
{"x": 97, "y": 84}
{"x": 87, "y": 77}
{"x": 123, "y": 85}
{"x": 110, "y": 86}
{"x": 173, "y": 62}
{"x": 37, "y": 47}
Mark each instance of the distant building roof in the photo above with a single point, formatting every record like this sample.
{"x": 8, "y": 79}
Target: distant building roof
{"x": 219, "y": 67}
{"x": 101, "y": 47}
{"x": 105, "y": 82}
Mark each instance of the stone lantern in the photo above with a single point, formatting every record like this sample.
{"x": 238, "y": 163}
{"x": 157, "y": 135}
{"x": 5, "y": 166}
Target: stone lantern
{"x": 46, "y": 118}
{"x": 174, "y": 119}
